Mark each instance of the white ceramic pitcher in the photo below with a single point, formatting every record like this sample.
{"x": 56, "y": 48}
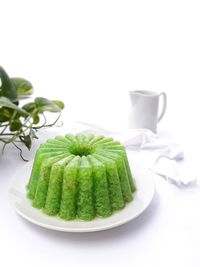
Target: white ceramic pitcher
{"x": 145, "y": 108}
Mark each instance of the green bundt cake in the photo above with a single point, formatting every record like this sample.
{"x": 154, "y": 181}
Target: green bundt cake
{"x": 80, "y": 176}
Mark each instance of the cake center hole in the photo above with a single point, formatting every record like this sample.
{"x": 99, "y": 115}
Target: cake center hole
{"x": 81, "y": 150}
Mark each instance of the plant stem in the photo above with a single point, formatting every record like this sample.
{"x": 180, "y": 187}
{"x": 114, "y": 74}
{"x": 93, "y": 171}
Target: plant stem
{"x": 47, "y": 125}
{"x": 21, "y": 152}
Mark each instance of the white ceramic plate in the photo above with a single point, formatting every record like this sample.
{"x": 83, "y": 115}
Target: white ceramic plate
{"x": 142, "y": 199}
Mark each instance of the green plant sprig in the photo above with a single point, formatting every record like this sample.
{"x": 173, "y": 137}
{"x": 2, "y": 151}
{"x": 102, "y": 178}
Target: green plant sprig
{"x": 20, "y": 124}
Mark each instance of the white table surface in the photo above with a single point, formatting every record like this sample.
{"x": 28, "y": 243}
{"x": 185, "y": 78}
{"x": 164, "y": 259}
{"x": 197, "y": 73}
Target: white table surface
{"x": 89, "y": 55}
{"x": 166, "y": 234}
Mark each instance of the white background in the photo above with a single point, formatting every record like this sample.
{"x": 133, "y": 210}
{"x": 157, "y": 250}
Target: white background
{"x": 90, "y": 54}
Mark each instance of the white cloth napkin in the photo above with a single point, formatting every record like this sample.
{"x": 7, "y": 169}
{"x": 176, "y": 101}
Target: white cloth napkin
{"x": 161, "y": 156}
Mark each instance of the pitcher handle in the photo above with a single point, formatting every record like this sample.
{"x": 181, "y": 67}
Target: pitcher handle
{"x": 163, "y": 94}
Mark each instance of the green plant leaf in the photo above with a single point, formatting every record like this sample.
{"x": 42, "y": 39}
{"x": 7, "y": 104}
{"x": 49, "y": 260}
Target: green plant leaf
{"x": 43, "y": 104}
{"x": 5, "y": 114}
{"x": 5, "y": 102}
{"x": 59, "y": 103}
{"x": 27, "y": 141}
{"x": 15, "y": 125}
{"x": 36, "y": 118}
{"x": 23, "y": 87}
{"x": 7, "y": 88}
{"x": 29, "y": 107}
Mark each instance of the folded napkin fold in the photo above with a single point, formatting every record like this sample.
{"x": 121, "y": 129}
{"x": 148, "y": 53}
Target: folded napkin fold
{"x": 160, "y": 155}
